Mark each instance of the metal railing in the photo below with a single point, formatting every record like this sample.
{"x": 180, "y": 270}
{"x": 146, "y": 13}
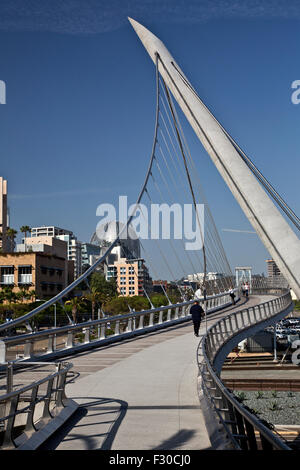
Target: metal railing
{"x": 233, "y": 425}
{"x": 60, "y": 341}
{"x": 26, "y": 410}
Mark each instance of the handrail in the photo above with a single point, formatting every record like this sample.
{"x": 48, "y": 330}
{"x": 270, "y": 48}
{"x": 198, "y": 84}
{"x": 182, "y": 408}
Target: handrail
{"x": 240, "y": 427}
{"x": 15, "y": 405}
{"x": 108, "y": 328}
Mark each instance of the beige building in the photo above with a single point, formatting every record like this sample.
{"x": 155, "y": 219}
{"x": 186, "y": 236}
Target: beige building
{"x": 41, "y": 266}
{"x": 73, "y": 245}
{"x": 3, "y": 214}
{"x": 132, "y": 276}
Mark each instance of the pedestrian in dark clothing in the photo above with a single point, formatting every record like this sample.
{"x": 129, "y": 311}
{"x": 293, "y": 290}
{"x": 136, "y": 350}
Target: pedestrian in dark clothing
{"x": 232, "y": 295}
{"x": 197, "y": 314}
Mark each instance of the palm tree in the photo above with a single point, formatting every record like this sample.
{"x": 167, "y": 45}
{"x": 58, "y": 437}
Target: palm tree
{"x": 94, "y": 297}
{"x": 24, "y": 229}
{"x": 9, "y": 295}
{"x": 75, "y": 303}
{"x": 11, "y": 233}
{"x": 26, "y": 294}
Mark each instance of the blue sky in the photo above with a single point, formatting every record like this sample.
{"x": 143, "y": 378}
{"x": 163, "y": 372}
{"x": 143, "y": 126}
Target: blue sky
{"x": 78, "y": 125}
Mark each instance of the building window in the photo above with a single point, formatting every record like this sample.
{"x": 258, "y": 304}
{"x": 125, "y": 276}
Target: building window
{"x": 123, "y": 290}
{"x": 131, "y": 291}
{"x": 7, "y": 275}
{"x": 24, "y": 274}
{"x": 131, "y": 270}
{"x": 43, "y": 269}
{"x": 122, "y": 281}
{"x": 131, "y": 280}
{"x": 122, "y": 270}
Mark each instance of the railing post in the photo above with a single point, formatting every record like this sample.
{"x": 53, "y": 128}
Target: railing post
{"x": 141, "y": 322}
{"x": 87, "y": 335}
{"x": 11, "y": 408}
{"x": 50, "y": 344}
{"x": 60, "y": 386}
{"x": 28, "y": 349}
{"x": 230, "y": 323}
{"x": 47, "y": 400}
{"x": 70, "y": 339}
{"x": 176, "y": 313}
{"x": 129, "y": 325}
{"x": 102, "y": 331}
{"x": 151, "y": 319}
{"x": 250, "y": 435}
{"x": 9, "y": 377}
{"x": 241, "y": 430}
{"x": 29, "y": 423}
{"x": 266, "y": 445}
{"x": 169, "y": 314}
{"x": 117, "y": 328}
{"x": 2, "y": 352}
{"x": 160, "y": 320}
{"x": 242, "y": 319}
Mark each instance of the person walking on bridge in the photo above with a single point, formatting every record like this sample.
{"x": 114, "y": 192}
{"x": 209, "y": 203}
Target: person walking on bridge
{"x": 197, "y": 313}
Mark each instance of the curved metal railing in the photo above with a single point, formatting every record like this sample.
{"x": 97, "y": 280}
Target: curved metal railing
{"x": 231, "y": 424}
{"x": 71, "y": 338}
{"x": 31, "y": 410}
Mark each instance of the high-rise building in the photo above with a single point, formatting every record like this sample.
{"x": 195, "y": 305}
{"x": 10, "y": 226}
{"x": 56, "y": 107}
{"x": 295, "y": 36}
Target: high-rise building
{"x": 89, "y": 254}
{"x": 74, "y": 246}
{"x": 275, "y": 277}
{"x": 272, "y": 268}
{"x": 3, "y": 214}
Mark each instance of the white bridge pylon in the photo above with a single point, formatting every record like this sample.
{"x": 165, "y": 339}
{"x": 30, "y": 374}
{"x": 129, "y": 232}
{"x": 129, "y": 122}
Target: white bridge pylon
{"x": 276, "y": 234}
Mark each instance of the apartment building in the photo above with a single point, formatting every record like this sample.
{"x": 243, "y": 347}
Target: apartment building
{"x": 74, "y": 249}
{"x": 42, "y": 266}
{"x": 132, "y": 276}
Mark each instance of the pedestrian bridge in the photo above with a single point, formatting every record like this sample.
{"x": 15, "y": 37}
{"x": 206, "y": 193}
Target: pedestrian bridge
{"x": 142, "y": 391}
{"x": 142, "y": 380}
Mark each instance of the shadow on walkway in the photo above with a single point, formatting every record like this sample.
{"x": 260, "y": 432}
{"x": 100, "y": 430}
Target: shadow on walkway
{"x": 81, "y": 426}
{"x": 178, "y": 440}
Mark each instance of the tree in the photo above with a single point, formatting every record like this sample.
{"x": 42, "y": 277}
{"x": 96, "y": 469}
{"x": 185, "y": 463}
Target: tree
{"x": 11, "y": 233}
{"x": 158, "y": 300}
{"x": 24, "y": 229}
{"x": 26, "y": 294}
{"x": 9, "y": 295}
{"x": 122, "y": 305}
{"x": 94, "y": 297}
{"x": 107, "y": 290}
{"x": 75, "y": 303}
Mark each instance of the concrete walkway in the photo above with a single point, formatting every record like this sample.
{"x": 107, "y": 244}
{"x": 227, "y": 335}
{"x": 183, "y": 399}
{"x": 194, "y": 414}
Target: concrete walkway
{"x": 147, "y": 399}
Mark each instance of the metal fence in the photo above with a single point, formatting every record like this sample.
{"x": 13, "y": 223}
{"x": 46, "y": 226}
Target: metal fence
{"x": 26, "y": 411}
{"x": 61, "y": 341}
{"x": 233, "y": 425}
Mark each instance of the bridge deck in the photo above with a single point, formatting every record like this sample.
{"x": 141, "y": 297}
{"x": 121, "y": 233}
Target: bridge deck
{"x": 139, "y": 394}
